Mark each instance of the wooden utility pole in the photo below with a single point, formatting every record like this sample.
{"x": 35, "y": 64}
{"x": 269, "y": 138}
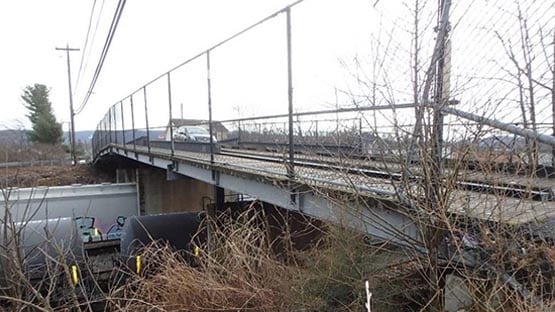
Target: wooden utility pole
{"x": 71, "y": 114}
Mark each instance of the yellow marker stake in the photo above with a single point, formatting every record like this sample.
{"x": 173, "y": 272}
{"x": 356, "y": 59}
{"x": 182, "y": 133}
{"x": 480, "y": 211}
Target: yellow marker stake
{"x": 74, "y": 275}
{"x": 196, "y": 251}
{"x": 138, "y": 264}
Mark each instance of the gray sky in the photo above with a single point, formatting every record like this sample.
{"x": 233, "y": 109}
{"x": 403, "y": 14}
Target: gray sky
{"x": 154, "y": 36}
{"x": 30, "y": 30}
{"x": 249, "y": 73}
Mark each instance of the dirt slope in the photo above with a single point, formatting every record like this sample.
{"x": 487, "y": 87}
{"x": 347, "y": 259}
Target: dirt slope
{"x": 51, "y": 176}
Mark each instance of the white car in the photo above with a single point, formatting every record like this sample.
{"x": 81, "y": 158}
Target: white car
{"x": 192, "y": 134}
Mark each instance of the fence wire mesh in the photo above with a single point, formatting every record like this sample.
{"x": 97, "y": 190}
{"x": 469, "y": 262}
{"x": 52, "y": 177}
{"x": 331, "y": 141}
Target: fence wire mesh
{"x": 497, "y": 61}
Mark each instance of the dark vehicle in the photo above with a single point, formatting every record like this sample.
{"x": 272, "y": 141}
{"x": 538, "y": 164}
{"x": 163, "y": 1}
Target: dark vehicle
{"x": 177, "y": 230}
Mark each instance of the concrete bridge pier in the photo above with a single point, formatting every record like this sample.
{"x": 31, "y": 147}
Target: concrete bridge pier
{"x": 166, "y": 192}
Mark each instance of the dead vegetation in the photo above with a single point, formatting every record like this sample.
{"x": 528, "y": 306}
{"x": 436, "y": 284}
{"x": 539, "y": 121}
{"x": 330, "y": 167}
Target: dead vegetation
{"x": 242, "y": 272}
{"x": 239, "y": 269}
{"x": 52, "y": 176}
{"x": 20, "y": 151}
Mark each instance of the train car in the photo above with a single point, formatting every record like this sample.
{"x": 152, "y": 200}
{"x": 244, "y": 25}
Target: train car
{"x": 41, "y": 249}
{"x": 177, "y": 230}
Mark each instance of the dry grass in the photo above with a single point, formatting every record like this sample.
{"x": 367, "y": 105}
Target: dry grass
{"x": 31, "y": 152}
{"x": 243, "y": 271}
{"x": 240, "y": 273}
{"x": 52, "y": 176}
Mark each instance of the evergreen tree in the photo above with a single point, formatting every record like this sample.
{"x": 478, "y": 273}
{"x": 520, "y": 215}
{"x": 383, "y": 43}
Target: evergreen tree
{"x": 45, "y": 127}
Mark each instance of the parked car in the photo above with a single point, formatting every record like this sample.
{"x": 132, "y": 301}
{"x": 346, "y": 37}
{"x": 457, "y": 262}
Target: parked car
{"x": 192, "y": 134}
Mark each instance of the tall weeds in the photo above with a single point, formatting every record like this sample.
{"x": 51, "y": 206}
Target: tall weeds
{"x": 239, "y": 272}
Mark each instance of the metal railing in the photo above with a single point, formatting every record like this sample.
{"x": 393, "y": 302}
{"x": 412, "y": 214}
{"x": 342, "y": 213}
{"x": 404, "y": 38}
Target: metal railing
{"x": 112, "y": 130}
{"x": 126, "y": 123}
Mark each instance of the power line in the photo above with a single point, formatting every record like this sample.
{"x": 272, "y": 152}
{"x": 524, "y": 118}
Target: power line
{"x": 88, "y": 55}
{"x": 85, "y": 45}
{"x": 107, "y": 43}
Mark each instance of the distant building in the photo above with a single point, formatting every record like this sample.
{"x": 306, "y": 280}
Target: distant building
{"x": 219, "y": 130}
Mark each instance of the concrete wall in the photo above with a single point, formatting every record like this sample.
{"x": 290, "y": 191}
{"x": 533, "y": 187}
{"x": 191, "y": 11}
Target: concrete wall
{"x": 181, "y": 195}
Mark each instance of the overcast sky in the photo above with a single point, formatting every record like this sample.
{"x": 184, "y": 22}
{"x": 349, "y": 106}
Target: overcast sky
{"x": 154, "y": 36}
{"x": 249, "y": 73}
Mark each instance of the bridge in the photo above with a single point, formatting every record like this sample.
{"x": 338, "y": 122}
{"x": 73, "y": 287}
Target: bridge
{"x": 369, "y": 166}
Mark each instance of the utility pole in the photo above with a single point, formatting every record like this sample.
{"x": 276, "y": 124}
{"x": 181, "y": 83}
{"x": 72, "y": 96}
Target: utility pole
{"x": 69, "y": 136}
{"x": 71, "y": 114}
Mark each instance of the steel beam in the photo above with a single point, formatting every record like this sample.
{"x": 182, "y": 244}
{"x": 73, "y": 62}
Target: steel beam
{"x": 371, "y": 218}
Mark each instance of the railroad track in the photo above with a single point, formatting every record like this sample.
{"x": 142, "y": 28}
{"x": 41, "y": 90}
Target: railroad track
{"x": 515, "y": 190}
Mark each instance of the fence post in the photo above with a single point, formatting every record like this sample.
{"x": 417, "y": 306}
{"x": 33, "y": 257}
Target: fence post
{"x": 316, "y": 132}
{"x": 112, "y": 116}
{"x": 146, "y": 120}
{"x": 290, "y": 93}
{"x": 110, "y": 124}
{"x": 209, "y": 84}
{"x": 101, "y": 133}
{"x": 133, "y": 125}
{"x": 170, "y": 113}
{"x": 94, "y": 145}
{"x": 291, "y": 167}
{"x": 98, "y": 137}
{"x": 94, "y": 142}
{"x": 105, "y": 130}
{"x": 122, "y": 127}
{"x": 239, "y": 133}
